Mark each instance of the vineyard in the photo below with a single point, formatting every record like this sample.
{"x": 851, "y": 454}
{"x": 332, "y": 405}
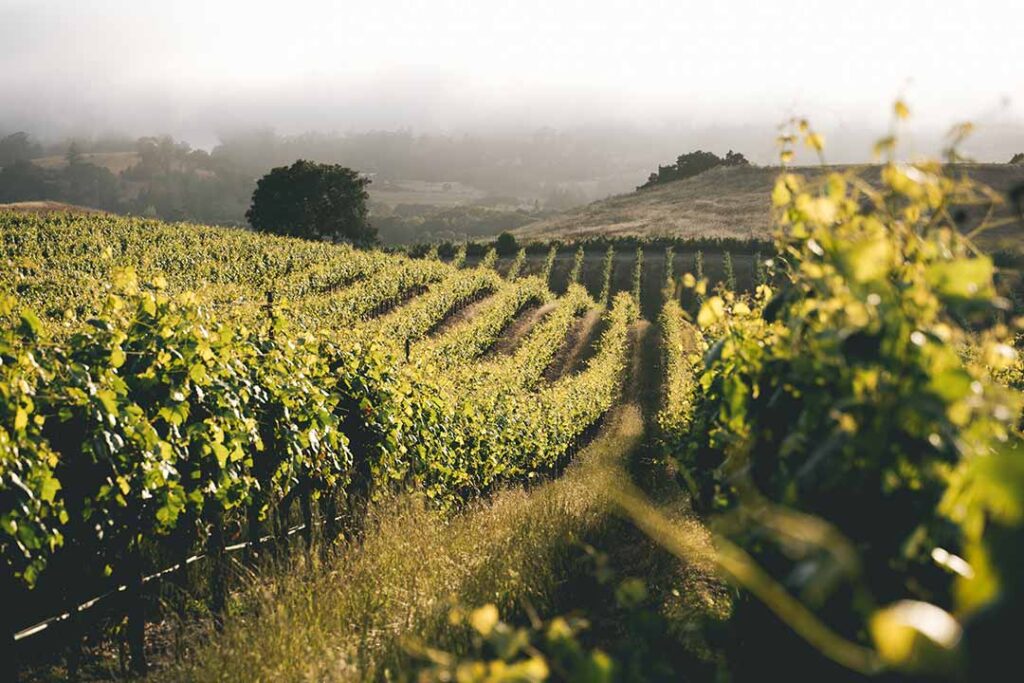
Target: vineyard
{"x": 811, "y": 456}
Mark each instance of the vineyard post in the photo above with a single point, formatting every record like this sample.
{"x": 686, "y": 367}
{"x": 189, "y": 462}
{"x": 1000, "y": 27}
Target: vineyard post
{"x": 182, "y": 542}
{"x": 73, "y": 652}
{"x": 281, "y": 514}
{"x": 218, "y": 571}
{"x": 8, "y": 654}
{"x": 306, "y": 503}
{"x": 255, "y": 531}
{"x": 329, "y": 514}
{"x": 270, "y": 312}
{"x": 136, "y": 612}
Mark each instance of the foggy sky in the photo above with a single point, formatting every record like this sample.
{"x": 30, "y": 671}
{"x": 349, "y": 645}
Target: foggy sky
{"x": 198, "y": 68}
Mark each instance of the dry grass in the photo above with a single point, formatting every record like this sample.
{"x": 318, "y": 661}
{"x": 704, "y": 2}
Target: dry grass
{"x": 48, "y": 207}
{"x": 115, "y": 162}
{"x": 726, "y": 202}
{"x": 350, "y": 618}
{"x": 723, "y": 202}
{"x": 424, "y": 192}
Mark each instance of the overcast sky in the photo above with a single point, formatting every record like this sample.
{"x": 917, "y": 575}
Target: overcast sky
{"x": 196, "y": 67}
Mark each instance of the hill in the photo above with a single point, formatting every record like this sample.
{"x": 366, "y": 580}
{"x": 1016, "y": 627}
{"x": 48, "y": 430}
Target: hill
{"x": 48, "y": 207}
{"x": 722, "y": 202}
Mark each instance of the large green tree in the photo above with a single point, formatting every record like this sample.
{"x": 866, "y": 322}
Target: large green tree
{"x": 315, "y": 201}
{"x": 17, "y": 147}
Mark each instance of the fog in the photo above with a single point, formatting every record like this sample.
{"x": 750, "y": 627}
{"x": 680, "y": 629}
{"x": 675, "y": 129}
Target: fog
{"x": 197, "y": 69}
{"x": 537, "y": 103}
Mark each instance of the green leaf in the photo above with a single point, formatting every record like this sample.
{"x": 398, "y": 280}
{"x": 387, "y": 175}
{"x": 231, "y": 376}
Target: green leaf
{"x": 962, "y": 279}
{"x": 868, "y": 259}
{"x": 30, "y": 326}
{"x": 198, "y": 373}
{"x": 48, "y": 489}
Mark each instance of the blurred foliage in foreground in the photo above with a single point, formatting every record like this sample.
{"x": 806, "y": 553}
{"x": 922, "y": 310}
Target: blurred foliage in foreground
{"x": 850, "y": 435}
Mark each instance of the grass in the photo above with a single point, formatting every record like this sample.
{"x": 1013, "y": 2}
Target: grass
{"x": 352, "y": 617}
{"x": 722, "y": 202}
{"x": 423, "y": 193}
{"x": 48, "y": 207}
{"x": 115, "y": 162}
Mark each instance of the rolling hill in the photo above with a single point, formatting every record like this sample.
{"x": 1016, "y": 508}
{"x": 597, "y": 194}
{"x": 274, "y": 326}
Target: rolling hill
{"x": 46, "y": 206}
{"x": 722, "y": 202}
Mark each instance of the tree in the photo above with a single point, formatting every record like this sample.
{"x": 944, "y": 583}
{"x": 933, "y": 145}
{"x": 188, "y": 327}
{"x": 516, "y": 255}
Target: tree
{"x": 506, "y": 244}
{"x": 735, "y": 159}
{"x": 73, "y": 155}
{"x": 16, "y": 147}
{"x": 314, "y": 201}
{"x": 1018, "y": 158}
{"x": 693, "y": 163}
{"x": 23, "y": 181}
{"x": 89, "y": 185}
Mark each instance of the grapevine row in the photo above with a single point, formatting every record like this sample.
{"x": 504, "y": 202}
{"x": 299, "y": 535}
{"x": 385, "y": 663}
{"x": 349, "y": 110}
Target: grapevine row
{"x": 418, "y": 317}
{"x": 523, "y": 368}
{"x": 471, "y": 339}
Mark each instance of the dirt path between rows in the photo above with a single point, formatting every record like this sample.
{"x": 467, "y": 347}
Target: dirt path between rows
{"x": 577, "y": 347}
{"x": 464, "y": 314}
{"x": 682, "y": 597}
{"x": 520, "y": 327}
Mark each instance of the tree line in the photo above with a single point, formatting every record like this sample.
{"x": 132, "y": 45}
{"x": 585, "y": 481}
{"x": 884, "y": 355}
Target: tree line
{"x": 691, "y": 164}
{"x": 167, "y": 179}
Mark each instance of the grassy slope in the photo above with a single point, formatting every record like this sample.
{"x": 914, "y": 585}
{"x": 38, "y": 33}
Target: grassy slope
{"x": 725, "y": 202}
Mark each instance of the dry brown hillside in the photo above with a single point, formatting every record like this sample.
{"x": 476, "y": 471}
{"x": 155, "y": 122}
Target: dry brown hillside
{"x": 722, "y": 202}
{"x": 47, "y": 206}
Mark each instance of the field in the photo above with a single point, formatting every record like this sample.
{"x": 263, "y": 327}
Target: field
{"x": 115, "y": 162}
{"x": 231, "y": 456}
{"x": 422, "y": 192}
